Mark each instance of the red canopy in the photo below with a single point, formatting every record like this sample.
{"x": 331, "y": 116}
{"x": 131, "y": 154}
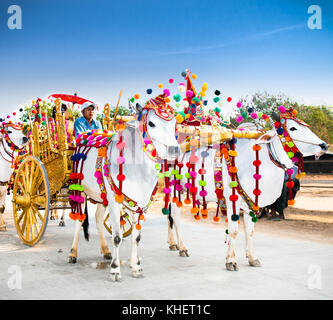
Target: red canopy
{"x": 71, "y": 98}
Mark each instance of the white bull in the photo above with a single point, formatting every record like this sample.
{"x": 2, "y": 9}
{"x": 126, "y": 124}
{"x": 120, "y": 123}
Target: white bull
{"x": 141, "y": 179}
{"x": 270, "y": 184}
{"x": 18, "y": 139}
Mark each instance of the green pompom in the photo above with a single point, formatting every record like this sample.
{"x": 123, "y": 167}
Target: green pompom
{"x": 160, "y": 175}
{"x": 174, "y": 172}
{"x": 254, "y": 219}
{"x": 252, "y": 214}
{"x": 235, "y": 217}
{"x": 291, "y": 154}
{"x": 187, "y": 175}
{"x": 179, "y": 176}
{"x": 131, "y": 204}
{"x": 196, "y": 99}
{"x": 244, "y": 115}
{"x": 216, "y": 99}
{"x": 202, "y": 183}
{"x": 226, "y": 231}
{"x": 157, "y": 166}
{"x": 167, "y": 174}
{"x": 165, "y": 211}
{"x": 132, "y": 100}
{"x": 233, "y": 184}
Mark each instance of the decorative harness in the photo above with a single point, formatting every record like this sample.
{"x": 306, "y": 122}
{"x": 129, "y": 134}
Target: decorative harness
{"x": 101, "y": 140}
{"x": 11, "y": 145}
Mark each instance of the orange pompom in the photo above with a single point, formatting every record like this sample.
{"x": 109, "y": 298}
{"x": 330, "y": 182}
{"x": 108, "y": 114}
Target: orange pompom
{"x": 122, "y": 222}
{"x": 194, "y": 210}
{"x": 204, "y": 212}
{"x": 179, "y": 204}
{"x": 291, "y": 202}
{"x": 287, "y": 139}
{"x": 138, "y": 227}
{"x": 141, "y": 217}
{"x": 256, "y": 147}
{"x": 73, "y": 216}
{"x": 187, "y": 201}
{"x": 294, "y": 112}
{"x": 233, "y": 169}
{"x": 167, "y": 100}
{"x": 216, "y": 219}
{"x": 136, "y": 96}
{"x": 119, "y": 198}
{"x": 197, "y": 217}
{"x": 226, "y": 220}
{"x": 174, "y": 199}
{"x": 255, "y": 208}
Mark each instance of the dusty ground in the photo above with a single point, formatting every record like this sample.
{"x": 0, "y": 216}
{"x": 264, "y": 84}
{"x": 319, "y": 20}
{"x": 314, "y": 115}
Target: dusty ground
{"x": 296, "y": 256}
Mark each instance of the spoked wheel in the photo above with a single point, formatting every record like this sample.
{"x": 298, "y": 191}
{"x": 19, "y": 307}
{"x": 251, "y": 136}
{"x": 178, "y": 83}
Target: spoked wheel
{"x": 31, "y": 200}
{"x": 127, "y": 227}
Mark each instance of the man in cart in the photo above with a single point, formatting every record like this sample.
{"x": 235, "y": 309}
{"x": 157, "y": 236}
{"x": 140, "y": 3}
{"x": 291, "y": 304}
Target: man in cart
{"x": 87, "y": 121}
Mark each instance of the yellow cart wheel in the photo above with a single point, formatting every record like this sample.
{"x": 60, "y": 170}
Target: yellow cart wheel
{"x": 127, "y": 227}
{"x": 31, "y": 200}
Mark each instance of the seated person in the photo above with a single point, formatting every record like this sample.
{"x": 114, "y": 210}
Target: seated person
{"x": 86, "y": 122}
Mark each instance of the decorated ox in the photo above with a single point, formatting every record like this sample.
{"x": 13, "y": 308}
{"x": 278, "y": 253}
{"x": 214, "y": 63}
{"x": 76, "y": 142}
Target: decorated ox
{"x": 11, "y": 140}
{"x": 247, "y": 166}
{"x": 124, "y": 176}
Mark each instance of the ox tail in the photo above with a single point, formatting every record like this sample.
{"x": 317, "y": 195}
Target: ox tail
{"x": 85, "y": 224}
{"x": 170, "y": 217}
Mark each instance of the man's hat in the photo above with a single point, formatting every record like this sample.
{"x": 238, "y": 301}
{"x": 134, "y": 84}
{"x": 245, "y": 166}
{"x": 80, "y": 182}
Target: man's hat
{"x": 87, "y": 105}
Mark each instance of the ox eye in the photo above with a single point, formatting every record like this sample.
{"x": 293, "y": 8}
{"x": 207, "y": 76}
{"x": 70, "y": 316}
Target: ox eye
{"x": 9, "y": 131}
{"x": 293, "y": 129}
{"x": 151, "y": 124}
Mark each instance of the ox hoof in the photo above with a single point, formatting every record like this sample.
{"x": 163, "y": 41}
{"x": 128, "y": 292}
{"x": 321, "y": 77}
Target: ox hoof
{"x": 3, "y": 228}
{"x": 184, "y": 253}
{"x": 255, "y": 263}
{"x": 115, "y": 277}
{"x": 52, "y": 218}
{"x": 137, "y": 273}
{"x": 72, "y": 259}
{"x": 62, "y": 223}
{"x": 107, "y": 256}
{"x": 173, "y": 247}
{"x": 231, "y": 266}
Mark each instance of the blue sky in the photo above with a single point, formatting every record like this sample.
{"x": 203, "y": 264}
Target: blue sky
{"x": 95, "y": 48}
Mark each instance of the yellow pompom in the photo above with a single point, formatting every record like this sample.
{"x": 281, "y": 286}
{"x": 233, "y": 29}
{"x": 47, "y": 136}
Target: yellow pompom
{"x": 179, "y": 118}
{"x": 194, "y": 76}
{"x": 160, "y": 85}
{"x": 205, "y": 87}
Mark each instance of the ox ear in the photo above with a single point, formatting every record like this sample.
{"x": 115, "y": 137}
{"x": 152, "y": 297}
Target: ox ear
{"x": 266, "y": 137}
{"x": 275, "y": 116}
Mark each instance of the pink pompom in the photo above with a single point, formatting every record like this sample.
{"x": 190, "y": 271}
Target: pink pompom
{"x": 99, "y": 181}
{"x": 193, "y": 159}
{"x": 203, "y": 193}
{"x": 239, "y": 104}
{"x": 188, "y": 185}
{"x": 239, "y": 119}
{"x": 290, "y": 171}
{"x": 98, "y": 174}
{"x": 189, "y": 93}
{"x": 182, "y": 84}
{"x": 254, "y": 115}
{"x": 282, "y": 109}
{"x": 166, "y": 92}
{"x": 257, "y": 176}
{"x": 193, "y": 174}
{"x": 167, "y": 190}
{"x": 120, "y": 145}
{"x": 170, "y": 80}
{"x": 120, "y": 160}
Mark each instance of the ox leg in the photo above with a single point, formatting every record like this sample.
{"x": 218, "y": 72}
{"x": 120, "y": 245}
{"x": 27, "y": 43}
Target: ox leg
{"x": 249, "y": 232}
{"x": 231, "y": 263}
{"x": 72, "y": 258}
{"x": 174, "y": 221}
{"x": 99, "y": 215}
{"x": 3, "y": 191}
{"x": 62, "y": 219}
{"x": 135, "y": 264}
{"x": 117, "y": 235}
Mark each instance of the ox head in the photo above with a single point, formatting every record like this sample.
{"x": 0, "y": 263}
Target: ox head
{"x": 271, "y": 137}
{"x": 159, "y": 125}
{"x": 305, "y": 140}
{"x": 15, "y": 135}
